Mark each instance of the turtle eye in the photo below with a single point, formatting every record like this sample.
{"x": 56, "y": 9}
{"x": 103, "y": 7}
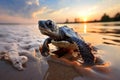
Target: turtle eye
{"x": 49, "y": 23}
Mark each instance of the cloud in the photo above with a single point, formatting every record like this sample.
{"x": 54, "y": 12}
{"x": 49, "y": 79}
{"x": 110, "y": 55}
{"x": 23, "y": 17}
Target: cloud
{"x": 39, "y": 12}
{"x": 30, "y": 2}
{"x": 18, "y": 10}
{"x": 19, "y": 7}
{"x": 59, "y": 11}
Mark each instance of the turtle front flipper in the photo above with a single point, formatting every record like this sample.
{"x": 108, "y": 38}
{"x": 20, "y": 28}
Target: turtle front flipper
{"x": 85, "y": 51}
{"x": 45, "y": 47}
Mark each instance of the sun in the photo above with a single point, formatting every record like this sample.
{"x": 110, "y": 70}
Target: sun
{"x": 84, "y": 16}
{"x": 85, "y": 19}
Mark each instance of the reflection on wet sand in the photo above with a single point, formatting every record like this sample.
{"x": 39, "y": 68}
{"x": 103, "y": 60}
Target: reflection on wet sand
{"x": 111, "y": 41}
{"x": 107, "y": 24}
{"x": 115, "y": 40}
{"x": 105, "y": 31}
{"x": 114, "y": 24}
{"x": 114, "y": 33}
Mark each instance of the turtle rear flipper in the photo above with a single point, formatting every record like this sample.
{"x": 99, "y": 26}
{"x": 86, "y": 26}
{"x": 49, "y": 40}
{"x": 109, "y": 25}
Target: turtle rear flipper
{"x": 85, "y": 51}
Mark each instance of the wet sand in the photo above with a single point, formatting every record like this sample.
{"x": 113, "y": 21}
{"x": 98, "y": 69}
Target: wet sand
{"x": 67, "y": 70}
{"x": 31, "y": 72}
{"x": 57, "y": 71}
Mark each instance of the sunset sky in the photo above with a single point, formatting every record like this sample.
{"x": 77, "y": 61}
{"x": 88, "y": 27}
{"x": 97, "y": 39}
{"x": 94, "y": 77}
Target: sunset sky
{"x": 30, "y": 11}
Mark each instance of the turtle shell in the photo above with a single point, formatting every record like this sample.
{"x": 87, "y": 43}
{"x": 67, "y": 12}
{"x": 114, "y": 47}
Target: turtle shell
{"x": 64, "y": 44}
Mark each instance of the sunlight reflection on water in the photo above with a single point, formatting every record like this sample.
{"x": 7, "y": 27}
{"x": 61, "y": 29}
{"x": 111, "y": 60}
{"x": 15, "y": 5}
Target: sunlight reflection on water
{"x": 85, "y": 28}
{"x": 109, "y": 32}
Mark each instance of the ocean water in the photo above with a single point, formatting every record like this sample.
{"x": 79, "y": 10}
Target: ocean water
{"x": 104, "y": 36}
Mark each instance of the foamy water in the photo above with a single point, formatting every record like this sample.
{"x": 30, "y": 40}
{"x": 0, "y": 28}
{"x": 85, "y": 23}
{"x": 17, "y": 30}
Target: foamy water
{"x": 106, "y": 37}
{"x": 27, "y": 38}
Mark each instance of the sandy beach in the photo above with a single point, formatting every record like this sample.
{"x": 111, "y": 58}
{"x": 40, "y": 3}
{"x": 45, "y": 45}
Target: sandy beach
{"x": 28, "y": 39}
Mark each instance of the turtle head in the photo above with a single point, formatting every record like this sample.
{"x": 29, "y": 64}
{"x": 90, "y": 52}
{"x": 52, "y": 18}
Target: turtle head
{"x": 47, "y": 26}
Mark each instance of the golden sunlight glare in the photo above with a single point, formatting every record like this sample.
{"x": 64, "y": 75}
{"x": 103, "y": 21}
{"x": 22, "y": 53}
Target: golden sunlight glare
{"x": 85, "y": 19}
{"x": 85, "y": 28}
